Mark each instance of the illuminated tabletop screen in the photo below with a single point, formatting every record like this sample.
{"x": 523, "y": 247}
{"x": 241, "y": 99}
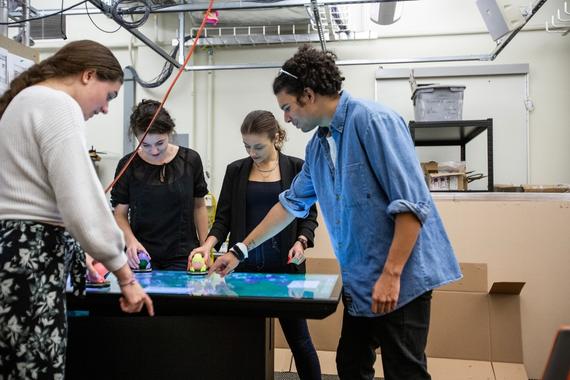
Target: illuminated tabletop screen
{"x": 237, "y": 293}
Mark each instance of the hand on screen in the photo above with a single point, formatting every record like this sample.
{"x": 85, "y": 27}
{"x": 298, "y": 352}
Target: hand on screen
{"x": 224, "y": 265}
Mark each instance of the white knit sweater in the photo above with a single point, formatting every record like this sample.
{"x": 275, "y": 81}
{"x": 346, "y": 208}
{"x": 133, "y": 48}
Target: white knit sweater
{"x": 46, "y": 174}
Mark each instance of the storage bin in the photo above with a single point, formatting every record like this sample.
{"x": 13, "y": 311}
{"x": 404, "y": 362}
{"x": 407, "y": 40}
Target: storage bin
{"x": 438, "y": 102}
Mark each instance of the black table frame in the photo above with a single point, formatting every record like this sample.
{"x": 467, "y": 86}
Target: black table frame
{"x": 191, "y": 337}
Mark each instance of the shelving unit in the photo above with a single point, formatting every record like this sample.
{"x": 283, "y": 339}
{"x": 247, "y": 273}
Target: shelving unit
{"x": 455, "y": 133}
{"x": 332, "y": 24}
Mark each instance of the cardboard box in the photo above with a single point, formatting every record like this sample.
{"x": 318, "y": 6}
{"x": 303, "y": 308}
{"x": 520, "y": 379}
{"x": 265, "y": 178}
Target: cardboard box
{"x": 327, "y": 360}
{"x": 282, "y": 360}
{"x": 475, "y": 332}
{"x": 546, "y": 188}
{"x": 468, "y": 322}
{"x": 508, "y": 188}
{"x": 429, "y": 167}
{"x": 324, "y": 332}
{"x": 457, "y": 369}
{"x": 452, "y": 176}
{"x": 447, "y": 181}
{"x": 560, "y": 188}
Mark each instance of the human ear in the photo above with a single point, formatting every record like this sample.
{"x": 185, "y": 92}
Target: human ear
{"x": 87, "y": 75}
{"x": 309, "y": 94}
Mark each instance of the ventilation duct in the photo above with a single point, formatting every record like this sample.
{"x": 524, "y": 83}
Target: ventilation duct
{"x": 48, "y": 28}
{"x": 386, "y": 13}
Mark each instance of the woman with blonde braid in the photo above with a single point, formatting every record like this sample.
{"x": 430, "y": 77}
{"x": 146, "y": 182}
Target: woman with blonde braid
{"x": 49, "y": 192}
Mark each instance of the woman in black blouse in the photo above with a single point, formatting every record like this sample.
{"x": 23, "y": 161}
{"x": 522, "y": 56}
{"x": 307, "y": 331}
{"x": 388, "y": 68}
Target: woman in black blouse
{"x": 251, "y": 187}
{"x": 159, "y": 201}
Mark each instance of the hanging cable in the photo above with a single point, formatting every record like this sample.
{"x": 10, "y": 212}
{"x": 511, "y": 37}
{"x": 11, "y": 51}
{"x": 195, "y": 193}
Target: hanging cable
{"x": 117, "y": 13}
{"x": 97, "y": 26}
{"x": 165, "y": 97}
{"x": 42, "y": 17}
{"x": 63, "y": 35}
{"x": 164, "y": 74}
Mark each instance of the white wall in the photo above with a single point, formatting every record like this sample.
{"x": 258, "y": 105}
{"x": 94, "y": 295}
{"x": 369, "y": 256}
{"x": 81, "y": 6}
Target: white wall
{"x": 427, "y": 28}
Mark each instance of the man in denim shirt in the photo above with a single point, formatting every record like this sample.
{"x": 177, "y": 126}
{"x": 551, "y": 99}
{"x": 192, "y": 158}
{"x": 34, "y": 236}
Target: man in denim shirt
{"x": 386, "y": 232}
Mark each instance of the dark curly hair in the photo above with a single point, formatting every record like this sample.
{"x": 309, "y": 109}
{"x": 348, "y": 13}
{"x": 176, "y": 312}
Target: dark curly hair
{"x": 261, "y": 122}
{"x": 311, "y": 68}
{"x": 142, "y": 115}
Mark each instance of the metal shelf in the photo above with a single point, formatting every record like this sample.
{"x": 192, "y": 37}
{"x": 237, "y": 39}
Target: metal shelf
{"x": 455, "y": 133}
{"x": 329, "y": 26}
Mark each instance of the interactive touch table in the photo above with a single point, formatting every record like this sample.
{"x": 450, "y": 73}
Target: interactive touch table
{"x": 204, "y": 328}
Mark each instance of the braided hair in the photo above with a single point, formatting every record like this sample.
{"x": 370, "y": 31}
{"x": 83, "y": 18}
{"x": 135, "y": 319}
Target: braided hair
{"x": 73, "y": 58}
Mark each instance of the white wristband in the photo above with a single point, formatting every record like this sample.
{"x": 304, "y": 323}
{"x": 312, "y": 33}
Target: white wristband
{"x": 243, "y": 249}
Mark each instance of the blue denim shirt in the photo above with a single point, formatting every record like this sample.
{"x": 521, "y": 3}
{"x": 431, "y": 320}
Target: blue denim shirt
{"x": 376, "y": 176}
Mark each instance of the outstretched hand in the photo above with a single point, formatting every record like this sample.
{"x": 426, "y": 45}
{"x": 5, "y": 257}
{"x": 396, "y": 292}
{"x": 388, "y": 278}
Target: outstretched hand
{"x": 134, "y": 298}
{"x": 224, "y": 265}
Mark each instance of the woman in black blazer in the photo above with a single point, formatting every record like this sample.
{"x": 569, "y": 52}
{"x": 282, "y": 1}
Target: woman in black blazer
{"x": 251, "y": 187}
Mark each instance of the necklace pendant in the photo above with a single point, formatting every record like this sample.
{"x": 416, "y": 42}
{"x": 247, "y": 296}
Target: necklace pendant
{"x": 162, "y": 174}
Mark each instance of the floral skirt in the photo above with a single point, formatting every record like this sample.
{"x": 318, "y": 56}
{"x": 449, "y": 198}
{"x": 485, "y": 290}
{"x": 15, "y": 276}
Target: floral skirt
{"x": 35, "y": 260}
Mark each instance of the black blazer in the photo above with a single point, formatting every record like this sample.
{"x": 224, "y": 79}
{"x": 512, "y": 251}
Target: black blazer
{"x": 230, "y": 212}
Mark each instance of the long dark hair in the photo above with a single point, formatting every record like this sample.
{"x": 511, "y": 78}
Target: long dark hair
{"x": 73, "y": 58}
{"x": 311, "y": 68}
{"x": 263, "y": 122}
{"x": 143, "y": 114}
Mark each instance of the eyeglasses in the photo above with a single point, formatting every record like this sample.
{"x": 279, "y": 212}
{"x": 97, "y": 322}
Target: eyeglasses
{"x": 281, "y": 71}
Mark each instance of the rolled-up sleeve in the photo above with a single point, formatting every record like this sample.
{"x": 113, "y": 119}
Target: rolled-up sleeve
{"x": 391, "y": 152}
{"x": 420, "y": 210}
{"x": 299, "y": 198}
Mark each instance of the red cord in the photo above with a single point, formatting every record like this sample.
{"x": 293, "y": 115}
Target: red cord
{"x": 163, "y": 101}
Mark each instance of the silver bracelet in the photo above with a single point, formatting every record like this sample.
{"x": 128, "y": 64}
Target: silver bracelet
{"x": 131, "y": 282}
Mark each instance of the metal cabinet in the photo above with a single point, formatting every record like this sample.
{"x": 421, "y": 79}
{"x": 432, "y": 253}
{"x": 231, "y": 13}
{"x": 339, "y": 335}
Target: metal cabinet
{"x": 455, "y": 133}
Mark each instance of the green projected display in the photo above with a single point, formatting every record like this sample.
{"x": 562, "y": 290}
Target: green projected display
{"x": 284, "y": 286}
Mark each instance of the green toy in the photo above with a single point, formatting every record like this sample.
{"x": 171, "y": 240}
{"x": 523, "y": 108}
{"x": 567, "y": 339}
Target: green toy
{"x": 198, "y": 264}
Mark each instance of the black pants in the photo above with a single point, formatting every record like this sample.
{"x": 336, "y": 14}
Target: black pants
{"x": 401, "y": 335}
{"x": 297, "y": 334}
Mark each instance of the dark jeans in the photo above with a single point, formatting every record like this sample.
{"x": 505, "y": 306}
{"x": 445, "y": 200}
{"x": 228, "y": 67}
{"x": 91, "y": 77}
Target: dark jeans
{"x": 296, "y": 332}
{"x": 401, "y": 335}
